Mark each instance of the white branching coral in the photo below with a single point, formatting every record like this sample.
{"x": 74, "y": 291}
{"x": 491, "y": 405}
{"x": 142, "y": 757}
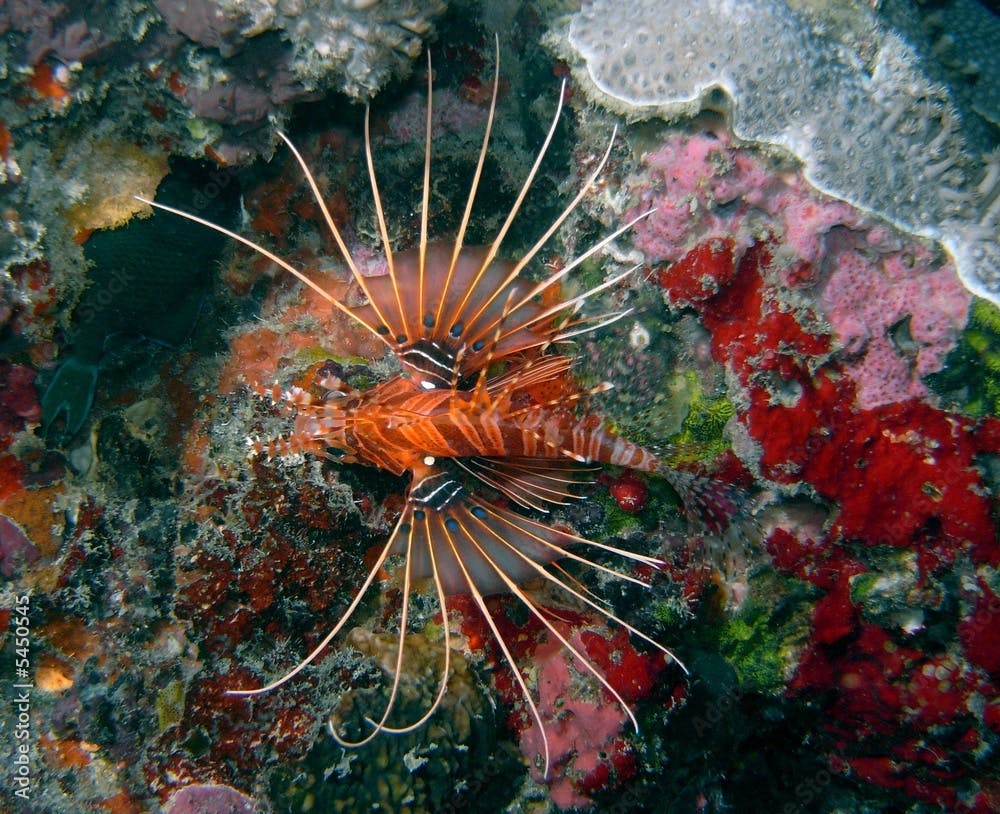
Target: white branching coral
{"x": 879, "y": 135}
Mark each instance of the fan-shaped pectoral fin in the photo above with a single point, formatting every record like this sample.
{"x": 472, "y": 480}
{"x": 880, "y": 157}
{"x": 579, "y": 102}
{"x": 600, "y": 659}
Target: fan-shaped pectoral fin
{"x": 535, "y": 483}
{"x": 472, "y": 547}
{"x": 415, "y": 538}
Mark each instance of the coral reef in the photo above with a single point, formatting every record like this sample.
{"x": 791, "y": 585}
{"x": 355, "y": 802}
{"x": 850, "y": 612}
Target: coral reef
{"x": 834, "y": 370}
{"x": 94, "y": 98}
{"x": 880, "y": 135}
{"x": 896, "y": 311}
{"x": 893, "y": 471}
{"x": 249, "y": 61}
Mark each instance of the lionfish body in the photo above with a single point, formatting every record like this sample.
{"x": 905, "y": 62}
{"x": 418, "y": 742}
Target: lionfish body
{"x": 451, "y": 314}
{"x": 397, "y": 426}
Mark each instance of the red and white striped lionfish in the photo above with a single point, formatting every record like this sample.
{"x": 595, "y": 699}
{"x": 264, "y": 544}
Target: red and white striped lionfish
{"x": 450, "y": 313}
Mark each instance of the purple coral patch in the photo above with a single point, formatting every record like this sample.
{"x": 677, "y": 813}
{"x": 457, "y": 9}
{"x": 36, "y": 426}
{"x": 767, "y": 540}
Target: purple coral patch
{"x": 211, "y": 799}
{"x": 205, "y": 22}
{"x": 897, "y": 320}
{"x": 15, "y": 547}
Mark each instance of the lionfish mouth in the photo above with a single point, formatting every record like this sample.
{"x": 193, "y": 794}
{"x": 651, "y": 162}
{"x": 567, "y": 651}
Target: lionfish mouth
{"x": 448, "y": 315}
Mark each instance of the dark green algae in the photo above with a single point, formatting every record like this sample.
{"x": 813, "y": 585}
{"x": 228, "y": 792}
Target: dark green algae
{"x": 970, "y": 378}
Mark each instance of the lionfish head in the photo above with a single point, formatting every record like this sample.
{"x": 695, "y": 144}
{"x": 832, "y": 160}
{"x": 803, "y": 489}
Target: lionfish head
{"x": 327, "y": 425}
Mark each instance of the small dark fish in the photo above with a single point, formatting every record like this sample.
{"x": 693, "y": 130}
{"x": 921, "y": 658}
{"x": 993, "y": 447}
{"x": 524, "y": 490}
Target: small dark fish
{"x": 146, "y": 279}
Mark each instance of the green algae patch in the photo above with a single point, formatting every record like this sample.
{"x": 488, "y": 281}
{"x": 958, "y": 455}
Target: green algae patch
{"x": 661, "y": 501}
{"x": 753, "y": 650}
{"x": 762, "y": 638}
{"x": 664, "y": 416}
{"x": 683, "y": 423}
{"x": 170, "y": 705}
{"x": 672, "y": 614}
{"x": 702, "y": 436}
{"x": 970, "y": 379}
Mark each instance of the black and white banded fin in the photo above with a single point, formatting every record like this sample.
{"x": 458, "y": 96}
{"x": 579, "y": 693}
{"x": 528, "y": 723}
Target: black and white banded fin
{"x": 534, "y": 483}
{"x": 475, "y": 548}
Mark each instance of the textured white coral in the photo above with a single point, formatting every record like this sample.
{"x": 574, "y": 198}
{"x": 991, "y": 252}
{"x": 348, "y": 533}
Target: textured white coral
{"x": 883, "y": 138}
{"x": 362, "y": 44}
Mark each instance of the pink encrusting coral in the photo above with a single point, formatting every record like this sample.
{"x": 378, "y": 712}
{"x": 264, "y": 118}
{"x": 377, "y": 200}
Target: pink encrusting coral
{"x": 210, "y": 799}
{"x": 702, "y": 187}
{"x": 583, "y": 732}
{"x": 590, "y": 745}
{"x": 897, "y": 317}
{"x": 895, "y": 310}
{"x": 684, "y": 182}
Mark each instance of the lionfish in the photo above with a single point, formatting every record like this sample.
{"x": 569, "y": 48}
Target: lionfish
{"x": 450, "y": 313}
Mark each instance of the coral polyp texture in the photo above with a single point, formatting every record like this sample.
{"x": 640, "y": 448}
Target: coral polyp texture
{"x": 870, "y": 128}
